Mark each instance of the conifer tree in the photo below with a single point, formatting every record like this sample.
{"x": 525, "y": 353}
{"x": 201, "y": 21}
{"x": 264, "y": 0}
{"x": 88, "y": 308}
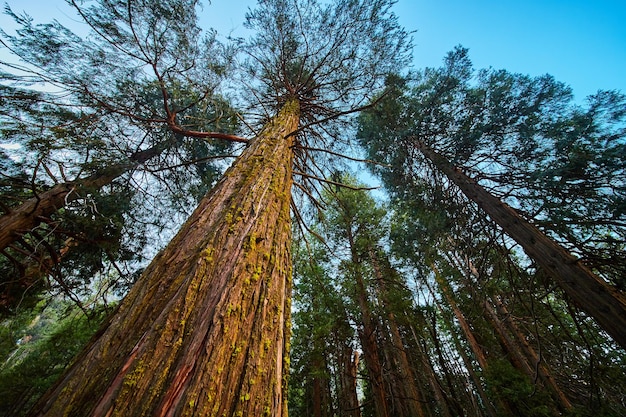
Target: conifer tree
{"x": 98, "y": 123}
{"x": 506, "y": 133}
{"x": 205, "y": 329}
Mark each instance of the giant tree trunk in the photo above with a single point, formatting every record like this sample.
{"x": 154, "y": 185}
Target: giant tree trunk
{"x": 591, "y": 293}
{"x": 205, "y": 330}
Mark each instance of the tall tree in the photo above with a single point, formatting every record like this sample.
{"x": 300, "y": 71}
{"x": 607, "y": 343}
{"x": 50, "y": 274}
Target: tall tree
{"x": 507, "y": 131}
{"x": 205, "y": 330}
{"x": 354, "y": 225}
{"x": 325, "y": 355}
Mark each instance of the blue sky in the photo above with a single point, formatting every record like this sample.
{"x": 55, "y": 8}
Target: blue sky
{"x": 582, "y": 43}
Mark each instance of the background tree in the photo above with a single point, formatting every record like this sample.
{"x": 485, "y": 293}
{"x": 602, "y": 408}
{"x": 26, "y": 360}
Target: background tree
{"x": 439, "y": 225}
{"x": 47, "y": 339}
{"x": 325, "y": 360}
{"x": 498, "y": 131}
{"x": 375, "y": 298}
{"x": 94, "y": 121}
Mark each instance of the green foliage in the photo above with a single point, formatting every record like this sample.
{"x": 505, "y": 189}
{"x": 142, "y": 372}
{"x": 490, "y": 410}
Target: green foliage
{"x": 508, "y": 384}
{"x": 140, "y": 68}
{"x": 44, "y": 342}
{"x": 329, "y": 55}
{"x": 558, "y": 163}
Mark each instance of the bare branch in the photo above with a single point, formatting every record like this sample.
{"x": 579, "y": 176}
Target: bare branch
{"x": 338, "y": 184}
{"x": 351, "y": 158}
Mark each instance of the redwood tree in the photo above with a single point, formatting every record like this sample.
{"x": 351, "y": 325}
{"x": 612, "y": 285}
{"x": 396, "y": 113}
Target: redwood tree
{"x": 511, "y": 137}
{"x": 205, "y": 329}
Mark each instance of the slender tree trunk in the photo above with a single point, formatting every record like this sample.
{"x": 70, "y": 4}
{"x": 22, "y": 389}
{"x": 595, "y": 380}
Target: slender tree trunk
{"x": 367, "y": 335}
{"x": 474, "y": 345}
{"x": 444, "y": 365}
{"x": 371, "y": 353}
{"x": 30, "y": 213}
{"x": 205, "y": 330}
{"x": 535, "y": 365}
{"x": 348, "y": 397}
{"x": 319, "y": 399}
{"x": 320, "y": 382}
{"x": 590, "y": 292}
{"x": 410, "y": 396}
{"x": 465, "y": 327}
{"x": 477, "y": 382}
{"x": 435, "y": 385}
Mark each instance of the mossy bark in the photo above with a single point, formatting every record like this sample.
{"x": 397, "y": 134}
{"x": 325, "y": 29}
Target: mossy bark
{"x": 205, "y": 330}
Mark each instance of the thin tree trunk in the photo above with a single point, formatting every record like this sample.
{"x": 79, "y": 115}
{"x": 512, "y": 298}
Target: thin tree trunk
{"x": 367, "y": 336}
{"x": 467, "y": 331}
{"x": 535, "y": 364}
{"x": 371, "y": 352}
{"x": 448, "y": 376}
{"x": 205, "y": 330}
{"x": 30, "y": 213}
{"x": 319, "y": 398}
{"x": 475, "y": 346}
{"x": 411, "y": 396}
{"x": 435, "y": 385}
{"x": 513, "y": 339}
{"x": 590, "y": 292}
{"x": 348, "y": 398}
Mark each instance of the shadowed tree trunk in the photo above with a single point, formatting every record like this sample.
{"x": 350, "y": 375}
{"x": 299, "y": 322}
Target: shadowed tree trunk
{"x": 31, "y": 212}
{"x": 474, "y": 345}
{"x": 590, "y": 292}
{"x": 438, "y": 393}
{"x": 407, "y": 394}
{"x": 524, "y": 354}
{"x": 205, "y": 330}
{"x": 367, "y": 334}
{"x": 348, "y": 397}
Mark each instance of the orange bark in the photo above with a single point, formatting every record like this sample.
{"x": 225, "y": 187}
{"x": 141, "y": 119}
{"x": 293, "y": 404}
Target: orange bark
{"x": 205, "y": 330}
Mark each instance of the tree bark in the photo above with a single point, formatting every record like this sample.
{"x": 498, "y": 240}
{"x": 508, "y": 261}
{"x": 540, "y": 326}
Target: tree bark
{"x": 205, "y": 330}
{"x": 473, "y": 343}
{"x": 591, "y": 293}
{"x": 347, "y": 395}
{"x": 536, "y": 366}
{"x": 367, "y": 335}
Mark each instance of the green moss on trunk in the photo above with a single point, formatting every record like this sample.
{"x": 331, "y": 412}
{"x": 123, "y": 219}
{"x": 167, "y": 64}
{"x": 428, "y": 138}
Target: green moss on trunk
{"x": 204, "y": 331}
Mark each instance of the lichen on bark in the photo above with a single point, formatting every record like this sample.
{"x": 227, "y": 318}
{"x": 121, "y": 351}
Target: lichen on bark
{"x": 204, "y": 330}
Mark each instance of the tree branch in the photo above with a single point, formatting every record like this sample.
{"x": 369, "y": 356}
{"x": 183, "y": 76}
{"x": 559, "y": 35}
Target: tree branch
{"x": 338, "y": 184}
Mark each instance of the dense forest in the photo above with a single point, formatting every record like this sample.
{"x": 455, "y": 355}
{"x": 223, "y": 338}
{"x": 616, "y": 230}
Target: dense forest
{"x": 187, "y": 225}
